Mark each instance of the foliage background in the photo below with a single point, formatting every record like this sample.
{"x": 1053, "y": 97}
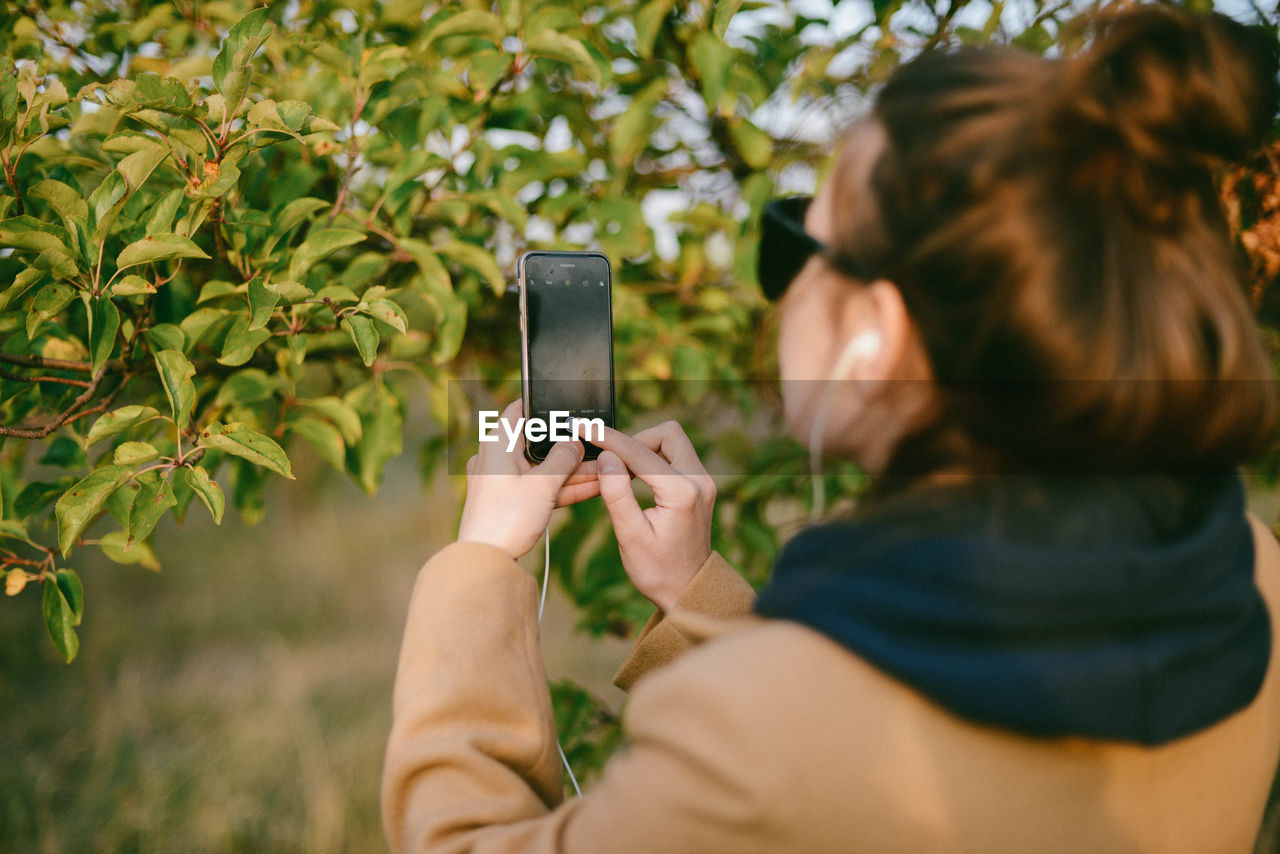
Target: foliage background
{"x": 324, "y": 202}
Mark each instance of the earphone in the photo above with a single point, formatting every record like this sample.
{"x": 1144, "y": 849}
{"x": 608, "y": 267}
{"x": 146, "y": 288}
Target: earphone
{"x": 866, "y": 345}
{"x": 542, "y": 602}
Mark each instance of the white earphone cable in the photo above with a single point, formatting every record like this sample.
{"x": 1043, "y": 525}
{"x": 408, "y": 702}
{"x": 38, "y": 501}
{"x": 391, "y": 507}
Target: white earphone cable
{"x": 863, "y": 345}
{"x": 542, "y": 601}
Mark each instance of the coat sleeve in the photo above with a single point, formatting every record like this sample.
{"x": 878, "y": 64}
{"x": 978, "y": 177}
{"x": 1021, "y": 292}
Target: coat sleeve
{"x": 471, "y": 763}
{"x": 716, "y": 590}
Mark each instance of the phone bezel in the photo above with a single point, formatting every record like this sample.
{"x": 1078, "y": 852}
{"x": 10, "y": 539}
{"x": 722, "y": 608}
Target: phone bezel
{"x": 521, "y": 262}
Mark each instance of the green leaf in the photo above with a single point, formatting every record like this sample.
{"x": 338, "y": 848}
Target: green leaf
{"x": 24, "y": 232}
{"x": 633, "y": 130}
{"x": 248, "y": 386}
{"x": 452, "y": 327}
{"x": 243, "y": 40}
{"x": 166, "y": 336}
{"x": 243, "y": 441}
{"x": 104, "y": 323}
{"x": 14, "y": 530}
{"x": 471, "y": 22}
{"x": 262, "y": 301}
{"x": 137, "y": 167}
{"x": 381, "y": 426}
{"x": 153, "y": 498}
{"x": 725, "y": 10}
{"x": 60, "y": 620}
{"x": 135, "y": 453}
{"x": 297, "y": 211}
{"x": 72, "y": 590}
{"x": 320, "y": 244}
{"x": 365, "y": 336}
{"x": 105, "y": 203}
{"x": 116, "y": 547}
{"x": 175, "y": 374}
{"x": 290, "y": 292}
{"x": 158, "y": 247}
{"x": 556, "y": 45}
{"x": 132, "y": 286}
{"x": 65, "y": 202}
{"x": 389, "y": 313}
{"x": 208, "y": 490}
{"x": 164, "y": 211}
{"x": 713, "y": 60}
{"x": 65, "y": 452}
{"x": 35, "y": 496}
{"x": 324, "y": 437}
{"x": 242, "y": 342}
{"x": 82, "y": 503}
{"x": 478, "y": 259}
{"x": 22, "y": 283}
{"x": 118, "y": 421}
{"x": 648, "y": 22}
{"x": 216, "y": 288}
{"x": 49, "y": 302}
{"x": 434, "y": 275}
{"x": 195, "y": 325}
{"x": 755, "y": 146}
{"x": 341, "y": 413}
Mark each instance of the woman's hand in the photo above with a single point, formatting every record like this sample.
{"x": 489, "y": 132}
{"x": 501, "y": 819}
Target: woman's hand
{"x": 664, "y": 546}
{"x": 509, "y": 502}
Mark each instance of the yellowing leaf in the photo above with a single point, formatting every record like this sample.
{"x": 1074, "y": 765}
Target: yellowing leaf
{"x": 82, "y": 503}
{"x": 113, "y": 545}
{"x": 365, "y": 336}
{"x": 243, "y": 441}
{"x": 59, "y": 620}
{"x": 175, "y": 374}
{"x": 135, "y": 453}
{"x": 153, "y": 498}
{"x": 208, "y": 490}
{"x": 158, "y": 247}
{"x": 119, "y": 420}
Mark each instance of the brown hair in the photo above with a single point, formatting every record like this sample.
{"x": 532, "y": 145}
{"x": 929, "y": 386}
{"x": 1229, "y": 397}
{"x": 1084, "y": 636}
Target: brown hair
{"x": 1055, "y": 232}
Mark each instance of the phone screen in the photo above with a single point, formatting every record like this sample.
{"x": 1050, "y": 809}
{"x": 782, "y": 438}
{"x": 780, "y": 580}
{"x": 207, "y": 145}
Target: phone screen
{"x": 566, "y": 306}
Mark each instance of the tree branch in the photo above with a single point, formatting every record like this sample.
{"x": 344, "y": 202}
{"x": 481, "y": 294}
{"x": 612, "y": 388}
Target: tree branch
{"x": 9, "y": 375}
{"x": 68, "y": 414}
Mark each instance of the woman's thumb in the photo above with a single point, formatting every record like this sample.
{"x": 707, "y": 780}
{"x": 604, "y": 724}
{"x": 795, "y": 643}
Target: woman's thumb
{"x": 561, "y": 461}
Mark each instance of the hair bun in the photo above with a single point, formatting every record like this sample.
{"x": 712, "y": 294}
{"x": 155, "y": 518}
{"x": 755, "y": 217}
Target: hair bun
{"x": 1173, "y": 87}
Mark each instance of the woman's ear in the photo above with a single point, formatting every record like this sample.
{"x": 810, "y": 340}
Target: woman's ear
{"x": 877, "y": 329}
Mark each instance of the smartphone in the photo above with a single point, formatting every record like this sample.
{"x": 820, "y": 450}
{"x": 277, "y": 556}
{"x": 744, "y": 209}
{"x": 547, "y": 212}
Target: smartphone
{"x": 566, "y": 337}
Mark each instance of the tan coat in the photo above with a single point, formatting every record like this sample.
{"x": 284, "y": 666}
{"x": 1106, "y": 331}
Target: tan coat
{"x": 768, "y": 737}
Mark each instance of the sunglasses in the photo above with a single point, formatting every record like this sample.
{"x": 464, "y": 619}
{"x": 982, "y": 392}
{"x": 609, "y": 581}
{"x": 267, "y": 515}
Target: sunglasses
{"x": 785, "y": 247}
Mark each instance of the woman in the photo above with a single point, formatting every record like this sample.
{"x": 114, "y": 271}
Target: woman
{"x": 1014, "y": 303}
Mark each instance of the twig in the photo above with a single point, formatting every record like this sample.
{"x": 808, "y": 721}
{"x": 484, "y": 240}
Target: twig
{"x": 42, "y": 362}
{"x": 72, "y": 411}
{"x": 9, "y": 375}
{"x": 353, "y": 150}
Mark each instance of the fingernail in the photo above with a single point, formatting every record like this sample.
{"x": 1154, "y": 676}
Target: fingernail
{"x": 608, "y": 463}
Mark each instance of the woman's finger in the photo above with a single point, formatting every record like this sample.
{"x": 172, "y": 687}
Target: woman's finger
{"x": 494, "y": 456}
{"x": 573, "y": 493}
{"x": 670, "y": 440}
{"x": 635, "y": 455}
{"x": 671, "y": 487}
{"x": 619, "y": 500}
{"x": 563, "y": 458}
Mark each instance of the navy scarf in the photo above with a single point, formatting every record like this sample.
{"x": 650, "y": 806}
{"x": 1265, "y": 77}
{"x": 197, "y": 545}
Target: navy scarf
{"x": 1114, "y": 608}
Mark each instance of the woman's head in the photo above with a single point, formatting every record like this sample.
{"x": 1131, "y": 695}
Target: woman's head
{"x": 1052, "y": 283}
